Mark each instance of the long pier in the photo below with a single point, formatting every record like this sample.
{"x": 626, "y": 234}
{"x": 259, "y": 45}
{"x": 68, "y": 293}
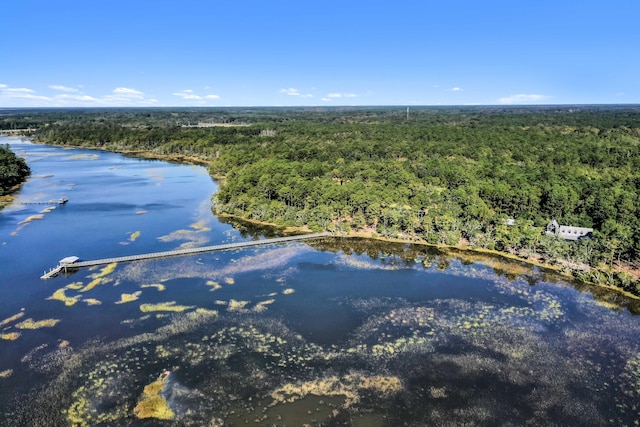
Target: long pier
{"x": 63, "y": 266}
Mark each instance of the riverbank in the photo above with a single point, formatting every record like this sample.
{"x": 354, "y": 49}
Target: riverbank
{"x": 564, "y": 270}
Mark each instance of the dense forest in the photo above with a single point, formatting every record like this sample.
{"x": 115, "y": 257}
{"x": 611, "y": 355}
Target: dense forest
{"x": 483, "y": 177}
{"x": 13, "y": 170}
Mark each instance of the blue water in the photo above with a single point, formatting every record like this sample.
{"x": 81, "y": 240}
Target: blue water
{"x": 335, "y": 321}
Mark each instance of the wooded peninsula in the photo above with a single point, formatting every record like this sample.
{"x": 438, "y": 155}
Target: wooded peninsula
{"x": 487, "y": 178}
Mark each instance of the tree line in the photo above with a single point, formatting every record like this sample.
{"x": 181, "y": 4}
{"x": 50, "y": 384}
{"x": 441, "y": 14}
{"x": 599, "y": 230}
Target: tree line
{"x": 486, "y": 177}
{"x": 13, "y": 170}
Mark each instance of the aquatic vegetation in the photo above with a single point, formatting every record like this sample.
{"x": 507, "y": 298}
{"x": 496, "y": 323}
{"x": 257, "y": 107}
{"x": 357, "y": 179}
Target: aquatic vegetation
{"x": 160, "y": 287}
{"x": 32, "y": 218}
{"x": 141, "y": 212}
{"x": 164, "y": 306}
{"x": 75, "y": 286}
{"x": 262, "y": 305}
{"x": 188, "y": 267}
{"x": 152, "y": 404}
{"x": 60, "y": 295}
{"x": 6, "y": 373}
{"x": 134, "y": 236}
{"x": 288, "y": 291}
{"x": 10, "y": 336}
{"x": 83, "y": 156}
{"x": 229, "y": 280}
{"x": 348, "y": 386}
{"x": 237, "y": 305}
{"x": 105, "y": 271}
{"x": 215, "y": 285}
{"x": 200, "y": 226}
{"x": 32, "y": 324}
{"x": 12, "y": 319}
{"x": 100, "y": 278}
{"x": 92, "y": 301}
{"x": 125, "y": 298}
{"x": 96, "y": 282}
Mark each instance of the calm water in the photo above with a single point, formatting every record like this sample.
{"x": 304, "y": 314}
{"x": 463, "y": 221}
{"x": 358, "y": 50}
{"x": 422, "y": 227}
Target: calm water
{"x": 333, "y": 332}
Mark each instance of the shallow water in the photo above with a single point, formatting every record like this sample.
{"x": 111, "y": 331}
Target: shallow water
{"x": 333, "y": 332}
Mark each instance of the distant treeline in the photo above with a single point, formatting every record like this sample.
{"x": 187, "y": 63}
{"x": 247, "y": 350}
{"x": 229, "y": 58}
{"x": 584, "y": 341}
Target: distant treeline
{"x": 13, "y": 170}
{"x": 441, "y": 175}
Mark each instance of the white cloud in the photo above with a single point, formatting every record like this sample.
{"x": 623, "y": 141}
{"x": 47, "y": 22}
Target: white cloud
{"x": 18, "y": 90}
{"x": 2, "y": 86}
{"x": 290, "y": 91}
{"x": 456, "y": 89}
{"x": 82, "y": 98}
{"x": 188, "y": 94}
{"x": 128, "y": 92}
{"x": 325, "y": 99}
{"x": 523, "y": 99}
{"x": 295, "y": 92}
{"x": 63, "y": 88}
{"x": 340, "y": 95}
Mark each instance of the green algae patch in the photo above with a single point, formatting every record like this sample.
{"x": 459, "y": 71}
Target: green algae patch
{"x": 152, "y": 404}
{"x": 164, "y": 306}
{"x": 288, "y": 291}
{"x": 10, "y": 336}
{"x": 92, "y": 301}
{"x": 60, "y": 295}
{"x": 229, "y": 280}
{"x": 134, "y": 236}
{"x": 32, "y": 324}
{"x": 125, "y": 298}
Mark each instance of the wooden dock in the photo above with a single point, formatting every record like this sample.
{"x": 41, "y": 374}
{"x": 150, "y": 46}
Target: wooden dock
{"x": 62, "y": 266}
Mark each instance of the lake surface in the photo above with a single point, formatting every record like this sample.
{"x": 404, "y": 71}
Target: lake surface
{"x": 327, "y": 332}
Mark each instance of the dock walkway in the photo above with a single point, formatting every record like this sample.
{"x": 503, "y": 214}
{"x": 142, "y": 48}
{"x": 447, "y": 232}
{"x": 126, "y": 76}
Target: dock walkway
{"x": 178, "y": 252}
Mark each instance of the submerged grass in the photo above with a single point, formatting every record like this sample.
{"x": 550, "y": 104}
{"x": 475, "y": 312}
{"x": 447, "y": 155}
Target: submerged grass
{"x": 164, "y": 306}
{"x": 32, "y": 324}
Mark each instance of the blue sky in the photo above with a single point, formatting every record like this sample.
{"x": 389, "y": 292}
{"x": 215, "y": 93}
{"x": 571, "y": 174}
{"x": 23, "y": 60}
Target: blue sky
{"x": 298, "y": 53}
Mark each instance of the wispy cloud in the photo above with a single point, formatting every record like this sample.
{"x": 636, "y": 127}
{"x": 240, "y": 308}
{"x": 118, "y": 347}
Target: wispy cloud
{"x": 290, "y": 91}
{"x": 18, "y": 90}
{"x": 455, "y": 89}
{"x": 188, "y": 94}
{"x": 63, "y": 88}
{"x": 68, "y": 96}
{"x": 126, "y": 92}
{"x": 78, "y": 97}
{"x": 341, "y": 95}
{"x": 295, "y": 92}
{"x": 20, "y": 93}
{"x": 523, "y": 99}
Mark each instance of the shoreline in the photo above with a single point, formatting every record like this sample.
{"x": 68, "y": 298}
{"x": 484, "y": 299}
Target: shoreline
{"x": 197, "y": 161}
